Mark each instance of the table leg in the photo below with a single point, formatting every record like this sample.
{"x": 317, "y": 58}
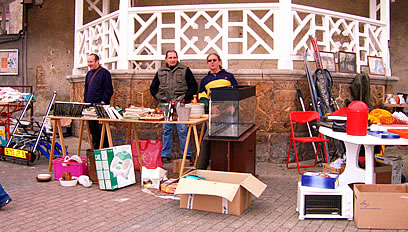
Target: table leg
{"x": 369, "y": 164}
{"x": 54, "y": 133}
{"x": 102, "y": 140}
{"x": 108, "y": 132}
{"x": 128, "y": 132}
{"x": 61, "y": 135}
{"x": 88, "y": 132}
{"x": 81, "y": 129}
{"x": 185, "y": 150}
{"x": 352, "y": 173}
{"x": 139, "y": 154}
{"x": 197, "y": 143}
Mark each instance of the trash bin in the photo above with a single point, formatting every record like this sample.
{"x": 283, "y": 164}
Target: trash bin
{"x": 357, "y": 118}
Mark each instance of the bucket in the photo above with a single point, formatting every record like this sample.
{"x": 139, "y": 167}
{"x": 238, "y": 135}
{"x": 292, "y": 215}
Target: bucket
{"x": 183, "y": 113}
{"x": 357, "y": 118}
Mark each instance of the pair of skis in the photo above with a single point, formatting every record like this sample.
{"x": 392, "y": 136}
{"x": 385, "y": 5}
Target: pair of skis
{"x": 312, "y": 88}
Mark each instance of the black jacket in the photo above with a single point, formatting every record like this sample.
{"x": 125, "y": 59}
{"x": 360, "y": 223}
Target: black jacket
{"x": 101, "y": 89}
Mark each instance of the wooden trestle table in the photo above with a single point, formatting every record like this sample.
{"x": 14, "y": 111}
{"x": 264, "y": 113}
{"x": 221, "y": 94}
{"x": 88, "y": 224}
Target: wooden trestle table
{"x": 56, "y": 125}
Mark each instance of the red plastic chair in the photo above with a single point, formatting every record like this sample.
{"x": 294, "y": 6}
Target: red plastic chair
{"x": 304, "y": 117}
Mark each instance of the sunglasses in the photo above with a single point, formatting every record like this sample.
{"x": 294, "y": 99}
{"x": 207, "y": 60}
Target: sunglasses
{"x": 212, "y": 60}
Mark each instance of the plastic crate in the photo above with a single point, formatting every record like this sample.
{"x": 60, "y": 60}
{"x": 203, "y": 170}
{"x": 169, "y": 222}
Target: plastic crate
{"x": 76, "y": 169}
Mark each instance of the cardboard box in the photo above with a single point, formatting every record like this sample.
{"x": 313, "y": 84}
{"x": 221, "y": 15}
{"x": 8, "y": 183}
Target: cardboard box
{"x": 382, "y": 173}
{"x": 151, "y": 178}
{"x": 320, "y": 180}
{"x": 177, "y": 165}
{"x": 381, "y": 206}
{"x": 396, "y": 164}
{"x": 220, "y": 192}
{"x": 114, "y": 167}
{"x": 330, "y": 169}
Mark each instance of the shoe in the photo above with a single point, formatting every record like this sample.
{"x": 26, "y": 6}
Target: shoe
{"x": 166, "y": 159}
{"x": 5, "y": 203}
{"x": 191, "y": 160}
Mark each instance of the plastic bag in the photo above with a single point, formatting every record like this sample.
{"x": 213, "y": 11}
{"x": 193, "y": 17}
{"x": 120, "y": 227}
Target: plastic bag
{"x": 150, "y": 151}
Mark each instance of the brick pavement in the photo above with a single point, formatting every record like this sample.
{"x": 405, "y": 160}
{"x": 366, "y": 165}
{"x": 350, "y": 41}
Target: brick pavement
{"x": 50, "y": 207}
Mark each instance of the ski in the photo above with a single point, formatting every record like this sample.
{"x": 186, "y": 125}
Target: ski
{"x": 312, "y": 87}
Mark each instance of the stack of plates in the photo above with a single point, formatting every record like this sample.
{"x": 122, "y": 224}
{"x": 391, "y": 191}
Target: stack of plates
{"x": 197, "y": 109}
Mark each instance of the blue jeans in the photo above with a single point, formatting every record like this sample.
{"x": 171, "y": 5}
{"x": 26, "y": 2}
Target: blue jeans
{"x": 3, "y": 195}
{"x": 182, "y": 130}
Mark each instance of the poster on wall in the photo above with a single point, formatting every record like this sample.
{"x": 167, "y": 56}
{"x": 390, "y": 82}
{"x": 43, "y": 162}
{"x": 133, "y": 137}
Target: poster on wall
{"x": 8, "y": 61}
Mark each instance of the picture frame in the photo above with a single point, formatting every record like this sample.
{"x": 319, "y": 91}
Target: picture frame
{"x": 328, "y": 61}
{"x": 8, "y": 62}
{"x": 347, "y": 62}
{"x": 375, "y": 65}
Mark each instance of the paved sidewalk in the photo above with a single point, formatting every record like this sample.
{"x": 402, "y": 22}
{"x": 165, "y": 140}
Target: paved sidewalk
{"x": 39, "y": 206}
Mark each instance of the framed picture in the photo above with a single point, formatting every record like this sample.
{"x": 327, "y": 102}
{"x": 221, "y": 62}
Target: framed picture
{"x": 364, "y": 69}
{"x": 328, "y": 61}
{"x": 375, "y": 65}
{"x": 347, "y": 62}
{"x": 9, "y": 61}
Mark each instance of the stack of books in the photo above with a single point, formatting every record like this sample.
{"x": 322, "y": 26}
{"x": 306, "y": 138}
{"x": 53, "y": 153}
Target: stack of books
{"x": 136, "y": 112}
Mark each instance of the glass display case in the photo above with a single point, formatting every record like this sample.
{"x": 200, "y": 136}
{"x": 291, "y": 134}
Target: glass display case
{"x": 232, "y": 111}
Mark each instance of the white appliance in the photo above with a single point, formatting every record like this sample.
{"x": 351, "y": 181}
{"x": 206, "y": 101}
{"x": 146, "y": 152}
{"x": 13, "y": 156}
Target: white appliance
{"x": 325, "y": 203}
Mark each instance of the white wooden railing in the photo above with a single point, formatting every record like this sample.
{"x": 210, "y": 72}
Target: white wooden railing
{"x": 137, "y": 37}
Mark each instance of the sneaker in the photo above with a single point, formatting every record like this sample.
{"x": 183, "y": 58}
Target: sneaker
{"x": 5, "y": 203}
{"x": 165, "y": 159}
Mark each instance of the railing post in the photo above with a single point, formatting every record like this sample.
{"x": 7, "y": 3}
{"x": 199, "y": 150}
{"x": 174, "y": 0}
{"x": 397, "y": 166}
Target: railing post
{"x": 283, "y": 27}
{"x": 124, "y": 45}
{"x": 384, "y": 8}
{"x": 79, "y": 20}
{"x": 385, "y": 36}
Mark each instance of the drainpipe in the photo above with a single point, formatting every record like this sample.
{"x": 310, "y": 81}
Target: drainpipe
{"x": 25, "y": 35}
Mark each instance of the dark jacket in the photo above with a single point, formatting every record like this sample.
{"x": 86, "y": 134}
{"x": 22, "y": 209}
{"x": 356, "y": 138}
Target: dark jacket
{"x": 101, "y": 89}
{"x": 174, "y": 83}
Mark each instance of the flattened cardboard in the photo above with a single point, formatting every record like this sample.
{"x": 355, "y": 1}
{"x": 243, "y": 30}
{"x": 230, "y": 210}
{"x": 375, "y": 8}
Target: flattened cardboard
{"x": 381, "y": 206}
{"x": 204, "y": 187}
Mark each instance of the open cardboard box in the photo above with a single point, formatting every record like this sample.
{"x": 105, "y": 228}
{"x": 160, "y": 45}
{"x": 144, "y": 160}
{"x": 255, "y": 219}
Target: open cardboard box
{"x": 381, "y": 206}
{"x": 220, "y": 192}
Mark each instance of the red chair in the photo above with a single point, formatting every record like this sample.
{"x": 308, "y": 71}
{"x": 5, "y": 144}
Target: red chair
{"x": 304, "y": 117}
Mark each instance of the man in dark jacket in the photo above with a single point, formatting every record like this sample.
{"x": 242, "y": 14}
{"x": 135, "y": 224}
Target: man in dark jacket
{"x": 98, "y": 90}
{"x": 172, "y": 82}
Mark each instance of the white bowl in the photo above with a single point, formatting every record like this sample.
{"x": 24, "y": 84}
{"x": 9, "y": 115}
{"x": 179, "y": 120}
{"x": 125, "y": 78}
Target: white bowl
{"x": 43, "y": 177}
{"x": 68, "y": 183}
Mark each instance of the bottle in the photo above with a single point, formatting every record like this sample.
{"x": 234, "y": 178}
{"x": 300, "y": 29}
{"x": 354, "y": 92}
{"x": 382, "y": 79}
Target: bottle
{"x": 171, "y": 111}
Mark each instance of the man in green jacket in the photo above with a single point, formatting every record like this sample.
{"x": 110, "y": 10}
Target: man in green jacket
{"x": 173, "y": 82}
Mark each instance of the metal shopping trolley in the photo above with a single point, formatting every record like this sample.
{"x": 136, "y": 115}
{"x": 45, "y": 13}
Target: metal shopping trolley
{"x": 29, "y": 140}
